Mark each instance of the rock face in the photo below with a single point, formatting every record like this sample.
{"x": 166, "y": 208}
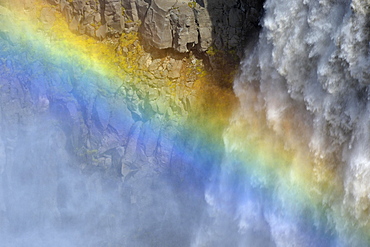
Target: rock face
{"x": 180, "y": 25}
{"x": 86, "y": 156}
{"x": 170, "y": 24}
{"x": 100, "y": 161}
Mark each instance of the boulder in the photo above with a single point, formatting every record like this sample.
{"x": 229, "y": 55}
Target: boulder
{"x": 156, "y": 29}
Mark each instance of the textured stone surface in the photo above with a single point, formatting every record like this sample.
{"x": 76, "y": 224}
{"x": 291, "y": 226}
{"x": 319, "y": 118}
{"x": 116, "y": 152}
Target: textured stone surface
{"x": 86, "y": 156}
{"x": 179, "y": 25}
{"x": 107, "y": 128}
{"x": 113, "y": 161}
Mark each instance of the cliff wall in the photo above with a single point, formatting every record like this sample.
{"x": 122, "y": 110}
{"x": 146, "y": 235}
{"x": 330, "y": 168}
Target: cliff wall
{"x": 111, "y": 141}
{"x": 179, "y": 25}
{"x": 89, "y": 145}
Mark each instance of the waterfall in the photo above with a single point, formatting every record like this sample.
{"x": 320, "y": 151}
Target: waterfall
{"x": 83, "y": 162}
{"x": 304, "y": 100}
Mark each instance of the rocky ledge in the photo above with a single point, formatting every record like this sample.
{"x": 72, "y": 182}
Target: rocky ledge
{"x": 181, "y": 25}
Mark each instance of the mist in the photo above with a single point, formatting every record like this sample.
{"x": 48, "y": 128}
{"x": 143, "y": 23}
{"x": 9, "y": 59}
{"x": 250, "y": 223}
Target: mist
{"x": 46, "y": 201}
{"x": 83, "y": 162}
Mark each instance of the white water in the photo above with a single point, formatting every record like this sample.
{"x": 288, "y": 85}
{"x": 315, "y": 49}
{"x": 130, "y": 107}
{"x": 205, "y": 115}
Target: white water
{"x": 311, "y": 68}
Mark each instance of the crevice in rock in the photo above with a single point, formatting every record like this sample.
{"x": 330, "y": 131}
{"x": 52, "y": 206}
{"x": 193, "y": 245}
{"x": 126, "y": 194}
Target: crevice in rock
{"x": 102, "y": 12}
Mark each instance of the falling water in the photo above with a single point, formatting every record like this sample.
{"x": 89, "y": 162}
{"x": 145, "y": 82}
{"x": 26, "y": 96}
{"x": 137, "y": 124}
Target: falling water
{"x": 304, "y": 95}
{"x": 295, "y": 170}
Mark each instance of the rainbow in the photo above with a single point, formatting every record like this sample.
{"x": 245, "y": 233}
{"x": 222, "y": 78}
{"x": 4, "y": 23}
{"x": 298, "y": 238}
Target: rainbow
{"x": 291, "y": 180}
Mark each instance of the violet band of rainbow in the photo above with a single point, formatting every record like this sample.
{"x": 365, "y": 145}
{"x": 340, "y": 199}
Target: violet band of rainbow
{"x": 259, "y": 169}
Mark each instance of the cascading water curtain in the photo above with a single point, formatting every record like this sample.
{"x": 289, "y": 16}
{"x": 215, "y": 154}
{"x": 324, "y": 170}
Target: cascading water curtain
{"x": 302, "y": 131}
{"x": 292, "y": 167}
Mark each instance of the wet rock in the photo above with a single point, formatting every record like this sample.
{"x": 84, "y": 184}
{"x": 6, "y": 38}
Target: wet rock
{"x": 104, "y": 162}
{"x": 130, "y": 152}
{"x": 121, "y": 119}
{"x": 149, "y": 137}
{"x": 89, "y": 30}
{"x": 47, "y": 17}
{"x": 154, "y": 65}
{"x": 102, "y": 109}
{"x": 174, "y": 68}
{"x": 74, "y": 24}
{"x": 101, "y": 33}
{"x": 145, "y": 61}
{"x": 164, "y": 147}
